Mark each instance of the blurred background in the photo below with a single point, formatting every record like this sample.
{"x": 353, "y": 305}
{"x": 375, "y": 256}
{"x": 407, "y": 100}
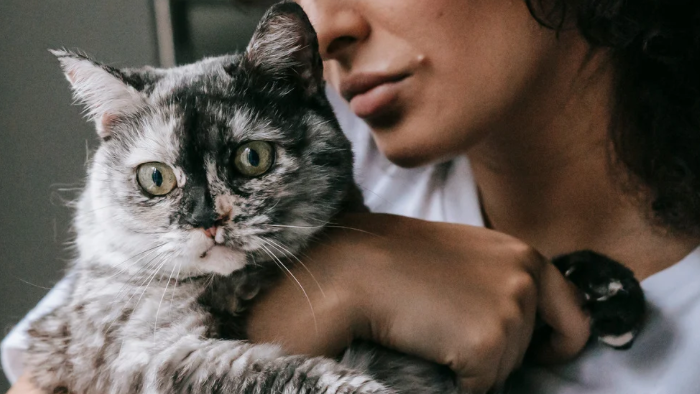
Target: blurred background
{"x": 44, "y": 140}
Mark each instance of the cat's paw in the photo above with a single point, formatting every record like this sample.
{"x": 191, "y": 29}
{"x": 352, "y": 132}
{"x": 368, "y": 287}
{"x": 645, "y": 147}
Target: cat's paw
{"x": 612, "y": 295}
{"x": 368, "y": 387}
{"x": 349, "y": 382}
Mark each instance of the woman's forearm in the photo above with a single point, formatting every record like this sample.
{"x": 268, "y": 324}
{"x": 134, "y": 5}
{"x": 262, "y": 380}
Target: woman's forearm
{"x": 457, "y": 295}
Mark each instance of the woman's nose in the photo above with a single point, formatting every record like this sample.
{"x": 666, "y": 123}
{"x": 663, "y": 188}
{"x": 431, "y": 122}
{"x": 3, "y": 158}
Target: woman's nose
{"x": 340, "y": 26}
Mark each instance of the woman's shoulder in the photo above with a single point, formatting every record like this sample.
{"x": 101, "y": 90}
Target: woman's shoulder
{"x": 16, "y": 341}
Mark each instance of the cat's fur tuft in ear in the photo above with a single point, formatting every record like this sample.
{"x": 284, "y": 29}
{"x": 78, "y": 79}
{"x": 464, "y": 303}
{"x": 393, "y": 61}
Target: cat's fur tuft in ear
{"x": 284, "y": 47}
{"x": 103, "y": 90}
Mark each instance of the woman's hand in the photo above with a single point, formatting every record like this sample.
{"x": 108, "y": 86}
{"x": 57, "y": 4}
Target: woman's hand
{"x": 460, "y": 296}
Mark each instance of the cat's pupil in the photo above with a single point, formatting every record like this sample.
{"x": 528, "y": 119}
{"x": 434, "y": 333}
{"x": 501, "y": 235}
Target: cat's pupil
{"x": 157, "y": 177}
{"x": 253, "y": 158}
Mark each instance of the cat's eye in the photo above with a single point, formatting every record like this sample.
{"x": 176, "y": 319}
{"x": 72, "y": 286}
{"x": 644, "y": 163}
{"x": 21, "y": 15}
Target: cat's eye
{"x": 156, "y": 179}
{"x": 254, "y": 158}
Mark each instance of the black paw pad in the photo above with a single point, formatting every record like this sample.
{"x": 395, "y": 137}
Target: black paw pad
{"x": 612, "y": 295}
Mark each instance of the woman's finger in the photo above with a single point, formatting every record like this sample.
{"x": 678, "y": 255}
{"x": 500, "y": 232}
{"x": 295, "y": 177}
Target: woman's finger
{"x": 560, "y": 308}
{"x": 477, "y": 384}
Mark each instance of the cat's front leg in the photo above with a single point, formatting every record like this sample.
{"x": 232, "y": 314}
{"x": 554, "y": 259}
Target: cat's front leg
{"x": 613, "y": 296}
{"x": 47, "y": 356}
{"x": 197, "y": 366}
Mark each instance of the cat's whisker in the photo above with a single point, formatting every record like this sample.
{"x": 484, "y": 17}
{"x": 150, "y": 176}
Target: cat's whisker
{"x": 177, "y": 279}
{"x": 145, "y": 267}
{"x": 146, "y": 252}
{"x": 313, "y": 219}
{"x": 331, "y": 225}
{"x": 30, "y": 283}
{"x": 152, "y": 264}
{"x": 319, "y": 239}
{"x": 73, "y": 186}
{"x": 162, "y": 264}
{"x": 210, "y": 281}
{"x": 155, "y": 323}
{"x": 287, "y": 226}
{"x": 127, "y": 283}
{"x": 69, "y": 189}
{"x": 281, "y": 265}
{"x": 286, "y": 251}
{"x": 255, "y": 263}
{"x": 56, "y": 199}
{"x": 118, "y": 298}
{"x": 385, "y": 200}
{"x": 273, "y": 207}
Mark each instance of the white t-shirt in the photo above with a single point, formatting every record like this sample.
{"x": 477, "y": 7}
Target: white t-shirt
{"x": 665, "y": 359}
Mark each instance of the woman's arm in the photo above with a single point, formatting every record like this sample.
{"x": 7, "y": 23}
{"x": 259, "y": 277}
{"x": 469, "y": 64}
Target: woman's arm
{"x": 458, "y": 295}
{"x": 461, "y": 296}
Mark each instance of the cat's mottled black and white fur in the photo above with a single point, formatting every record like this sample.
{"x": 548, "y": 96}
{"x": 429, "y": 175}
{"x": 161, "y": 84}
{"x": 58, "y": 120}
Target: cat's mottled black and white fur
{"x": 166, "y": 259}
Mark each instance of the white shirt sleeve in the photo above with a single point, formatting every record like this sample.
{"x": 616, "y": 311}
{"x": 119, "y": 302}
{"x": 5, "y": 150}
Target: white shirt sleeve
{"x": 15, "y": 343}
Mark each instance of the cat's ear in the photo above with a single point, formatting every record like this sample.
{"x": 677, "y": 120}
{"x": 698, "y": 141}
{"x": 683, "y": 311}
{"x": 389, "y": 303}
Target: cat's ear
{"x": 285, "y": 48}
{"x": 106, "y": 92}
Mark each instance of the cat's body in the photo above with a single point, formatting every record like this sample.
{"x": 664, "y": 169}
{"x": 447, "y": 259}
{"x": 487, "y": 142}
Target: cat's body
{"x": 207, "y": 176}
{"x": 180, "y": 345}
{"x": 173, "y": 341}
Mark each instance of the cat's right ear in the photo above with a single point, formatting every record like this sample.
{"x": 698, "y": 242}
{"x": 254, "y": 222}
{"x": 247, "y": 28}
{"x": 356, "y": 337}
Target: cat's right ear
{"x": 284, "y": 48}
{"x": 103, "y": 90}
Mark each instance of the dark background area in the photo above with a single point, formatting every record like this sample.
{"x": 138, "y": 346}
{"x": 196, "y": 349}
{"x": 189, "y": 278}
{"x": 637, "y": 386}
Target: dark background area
{"x": 44, "y": 140}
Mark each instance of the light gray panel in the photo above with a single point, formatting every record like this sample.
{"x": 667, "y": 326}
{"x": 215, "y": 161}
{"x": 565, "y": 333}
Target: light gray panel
{"x": 42, "y": 137}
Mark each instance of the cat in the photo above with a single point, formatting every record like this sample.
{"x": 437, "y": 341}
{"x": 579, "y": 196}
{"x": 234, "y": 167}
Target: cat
{"x": 206, "y": 175}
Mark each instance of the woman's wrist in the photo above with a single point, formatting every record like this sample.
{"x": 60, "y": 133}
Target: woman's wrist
{"x": 321, "y": 306}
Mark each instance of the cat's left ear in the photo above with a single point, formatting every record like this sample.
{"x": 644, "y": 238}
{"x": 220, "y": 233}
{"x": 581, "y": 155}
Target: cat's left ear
{"x": 106, "y": 92}
{"x": 284, "y": 47}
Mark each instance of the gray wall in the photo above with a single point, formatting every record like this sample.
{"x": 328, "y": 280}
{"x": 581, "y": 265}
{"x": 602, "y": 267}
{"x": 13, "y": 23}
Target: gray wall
{"x": 42, "y": 137}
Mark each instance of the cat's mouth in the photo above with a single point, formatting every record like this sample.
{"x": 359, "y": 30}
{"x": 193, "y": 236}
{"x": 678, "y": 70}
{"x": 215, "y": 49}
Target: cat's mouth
{"x": 219, "y": 258}
{"x": 206, "y": 252}
{"x": 216, "y": 234}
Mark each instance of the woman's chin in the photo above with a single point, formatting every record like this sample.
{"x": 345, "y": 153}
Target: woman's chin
{"x": 407, "y": 153}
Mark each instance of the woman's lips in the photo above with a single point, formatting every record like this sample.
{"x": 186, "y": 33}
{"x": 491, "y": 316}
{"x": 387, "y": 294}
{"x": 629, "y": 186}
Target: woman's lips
{"x": 370, "y": 95}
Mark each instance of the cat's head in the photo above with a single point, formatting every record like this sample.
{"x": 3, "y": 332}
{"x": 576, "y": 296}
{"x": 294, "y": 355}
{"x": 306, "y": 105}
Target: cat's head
{"x": 210, "y": 166}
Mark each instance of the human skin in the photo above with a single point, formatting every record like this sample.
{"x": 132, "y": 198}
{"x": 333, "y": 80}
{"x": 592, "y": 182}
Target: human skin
{"x": 24, "y": 386}
{"x": 532, "y": 112}
{"x": 477, "y": 67}
{"x": 468, "y": 303}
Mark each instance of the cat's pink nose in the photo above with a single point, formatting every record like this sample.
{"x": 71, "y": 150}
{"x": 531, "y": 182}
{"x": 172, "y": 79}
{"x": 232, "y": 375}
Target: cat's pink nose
{"x": 211, "y": 232}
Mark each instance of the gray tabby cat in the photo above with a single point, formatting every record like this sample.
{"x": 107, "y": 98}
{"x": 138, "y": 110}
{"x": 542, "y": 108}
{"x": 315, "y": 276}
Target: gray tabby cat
{"x": 204, "y": 172}
{"x": 206, "y": 176}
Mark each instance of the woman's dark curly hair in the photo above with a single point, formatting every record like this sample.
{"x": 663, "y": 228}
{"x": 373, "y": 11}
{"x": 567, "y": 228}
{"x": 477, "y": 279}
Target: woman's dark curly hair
{"x": 655, "y": 47}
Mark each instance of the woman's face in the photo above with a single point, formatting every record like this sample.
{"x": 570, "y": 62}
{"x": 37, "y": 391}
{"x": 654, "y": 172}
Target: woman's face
{"x": 433, "y": 77}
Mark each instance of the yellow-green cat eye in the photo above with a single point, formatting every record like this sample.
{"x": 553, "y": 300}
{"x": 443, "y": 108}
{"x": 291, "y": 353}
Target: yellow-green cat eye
{"x": 156, "y": 179}
{"x": 254, "y": 158}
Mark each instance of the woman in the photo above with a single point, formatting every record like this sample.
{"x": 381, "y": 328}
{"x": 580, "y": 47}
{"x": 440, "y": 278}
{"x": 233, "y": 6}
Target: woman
{"x": 580, "y": 120}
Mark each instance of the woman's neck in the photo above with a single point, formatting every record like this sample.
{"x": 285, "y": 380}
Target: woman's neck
{"x": 553, "y": 185}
